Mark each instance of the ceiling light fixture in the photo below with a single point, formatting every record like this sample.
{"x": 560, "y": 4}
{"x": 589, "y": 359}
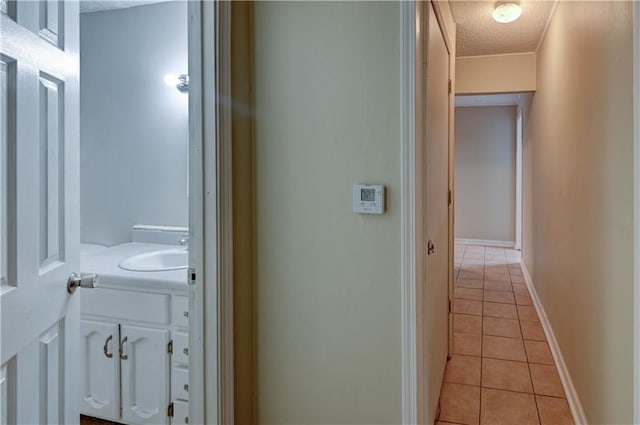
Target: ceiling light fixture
{"x": 506, "y": 12}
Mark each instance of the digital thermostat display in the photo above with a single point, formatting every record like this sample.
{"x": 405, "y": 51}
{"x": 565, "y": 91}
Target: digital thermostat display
{"x": 368, "y": 198}
{"x": 368, "y": 195}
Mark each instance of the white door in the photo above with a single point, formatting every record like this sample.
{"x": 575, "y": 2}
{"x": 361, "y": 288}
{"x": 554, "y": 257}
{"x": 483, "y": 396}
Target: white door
{"x": 437, "y": 211}
{"x": 100, "y": 383}
{"x": 39, "y": 209}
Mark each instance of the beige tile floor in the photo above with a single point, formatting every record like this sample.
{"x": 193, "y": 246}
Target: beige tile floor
{"x": 502, "y": 370}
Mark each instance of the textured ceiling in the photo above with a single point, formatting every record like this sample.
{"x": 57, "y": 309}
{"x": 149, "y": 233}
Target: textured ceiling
{"x": 100, "y": 5}
{"x": 478, "y": 34}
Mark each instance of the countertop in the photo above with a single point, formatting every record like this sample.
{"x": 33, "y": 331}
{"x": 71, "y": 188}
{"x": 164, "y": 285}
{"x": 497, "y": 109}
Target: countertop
{"x": 104, "y": 262}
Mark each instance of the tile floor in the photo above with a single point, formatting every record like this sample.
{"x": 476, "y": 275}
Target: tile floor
{"x": 501, "y": 370}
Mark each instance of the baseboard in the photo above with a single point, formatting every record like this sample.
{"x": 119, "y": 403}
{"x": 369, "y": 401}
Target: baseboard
{"x": 485, "y": 242}
{"x": 572, "y": 396}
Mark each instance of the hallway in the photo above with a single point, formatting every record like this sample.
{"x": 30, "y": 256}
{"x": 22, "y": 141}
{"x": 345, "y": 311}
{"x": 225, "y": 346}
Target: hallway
{"x": 502, "y": 370}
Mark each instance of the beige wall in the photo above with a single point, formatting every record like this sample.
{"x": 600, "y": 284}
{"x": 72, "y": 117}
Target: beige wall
{"x": 496, "y": 74}
{"x": 578, "y": 201}
{"x": 485, "y": 167}
{"x": 327, "y": 99}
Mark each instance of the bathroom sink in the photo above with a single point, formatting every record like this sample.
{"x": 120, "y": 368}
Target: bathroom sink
{"x": 157, "y": 261}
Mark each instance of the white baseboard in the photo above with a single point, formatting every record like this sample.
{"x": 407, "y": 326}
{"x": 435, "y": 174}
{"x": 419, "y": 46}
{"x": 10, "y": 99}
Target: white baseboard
{"x": 572, "y": 396}
{"x": 485, "y": 242}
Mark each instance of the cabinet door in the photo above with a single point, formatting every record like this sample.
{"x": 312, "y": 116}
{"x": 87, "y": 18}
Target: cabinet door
{"x": 180, "y": 413}
{"x": 100, "y": 370}
{"x": 145, "y": 375}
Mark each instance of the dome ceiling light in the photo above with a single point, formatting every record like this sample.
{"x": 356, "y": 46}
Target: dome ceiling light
{"x": 506, "y": 12}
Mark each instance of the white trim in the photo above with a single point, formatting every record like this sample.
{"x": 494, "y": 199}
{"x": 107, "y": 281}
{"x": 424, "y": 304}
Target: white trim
{"x": 197, "y": 323}
{"x": 519, "y": 136}
{"x": 636, "y": 211}
{"x": 496, "y": 55}
{"x": 485, "y": 242}
{"x": 572, "y": 396}
{"x": 546, "y": 26}
{"x": 408, "y": 218}
{"x": 210, "y": 215}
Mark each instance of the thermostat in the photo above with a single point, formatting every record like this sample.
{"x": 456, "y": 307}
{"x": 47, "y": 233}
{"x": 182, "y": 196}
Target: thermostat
{"x": 368, "y": 199}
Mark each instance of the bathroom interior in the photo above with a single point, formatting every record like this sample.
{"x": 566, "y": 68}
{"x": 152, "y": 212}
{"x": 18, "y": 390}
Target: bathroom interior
{"x": 134, "y": 212}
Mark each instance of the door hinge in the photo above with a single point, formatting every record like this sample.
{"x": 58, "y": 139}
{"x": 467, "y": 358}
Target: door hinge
{"x": 192, "y": 276}
{"x": 449, "y": 306}
{"x": 170, "y": 347}
{"x": 450, "y": 86}
{"x": 170, "y": 410}
{"x": 450, "y": 197}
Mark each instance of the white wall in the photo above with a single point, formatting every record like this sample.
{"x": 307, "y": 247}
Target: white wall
{"x": 496, "y": 73}
{"x": 485, "y": 168}
{"x": 327, "y": 99}
{"x": 578, "y": 199}
{"x": 133, "y": 126}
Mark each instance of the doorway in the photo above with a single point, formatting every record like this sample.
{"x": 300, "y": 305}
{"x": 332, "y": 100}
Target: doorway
{"x": 488, "y": 170}
{"x": 134, "y": 212}
{"x": 41, "y": 363}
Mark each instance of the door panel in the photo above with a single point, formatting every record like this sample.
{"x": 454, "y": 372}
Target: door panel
{"x": 39, "y": 211}
{"x": 436, "y": 213}
{"x": 7, "y": 393}
{"x": 51, "y": 380}
{"x": 51, "y": 18}
{"x": 145, "y": 375}
{"x": 101, "y": 370}
{"x": 51, "y": 169}
{"x": 7, "y": 171}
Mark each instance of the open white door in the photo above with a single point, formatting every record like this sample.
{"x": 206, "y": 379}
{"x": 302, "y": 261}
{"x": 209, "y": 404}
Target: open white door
{"x": 39, "y": 210}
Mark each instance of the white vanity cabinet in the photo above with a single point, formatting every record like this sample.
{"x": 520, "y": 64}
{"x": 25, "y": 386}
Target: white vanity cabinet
{"x": 144, "y": 372}
{"x": 101, "y": 369}
{"x": 132, "y": 373}
{"x": 180, "y": 360}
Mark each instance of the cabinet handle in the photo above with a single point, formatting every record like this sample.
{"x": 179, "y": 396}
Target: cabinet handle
{"x": 106, "y": 347}
{"x": 122, "y": 355}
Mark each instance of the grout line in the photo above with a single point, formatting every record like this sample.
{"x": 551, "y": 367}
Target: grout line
{"x": 484, "y": 267}
{"x": 533, "y": 388}
{"x": 521, "y": 392}
{"x": 506, "y": 360}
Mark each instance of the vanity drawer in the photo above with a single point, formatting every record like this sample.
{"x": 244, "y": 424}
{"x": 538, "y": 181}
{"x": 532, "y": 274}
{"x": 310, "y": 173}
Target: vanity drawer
{"x": 180, "y": 312}
{"x": 126, "y": 305}
{"x": 180, "y": 413}
{"x": 181, "y": 348}
{"x": 180, "y": 383}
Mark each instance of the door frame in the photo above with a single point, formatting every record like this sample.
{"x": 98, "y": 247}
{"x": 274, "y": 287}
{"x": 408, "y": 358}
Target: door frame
{"x": 519, "y": 137}
{"x": 210, "y": 215}
{"x": 408, "y": 98}
{"x": 521, "y": 100}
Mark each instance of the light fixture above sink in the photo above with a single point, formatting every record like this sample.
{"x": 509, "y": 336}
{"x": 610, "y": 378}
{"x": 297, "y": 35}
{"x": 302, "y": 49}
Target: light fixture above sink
{"x": 157, "y": 261}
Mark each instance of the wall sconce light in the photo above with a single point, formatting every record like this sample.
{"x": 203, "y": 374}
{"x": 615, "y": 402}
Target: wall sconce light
{"x": 181, "y": 82}
{"x": 506, "y": 12}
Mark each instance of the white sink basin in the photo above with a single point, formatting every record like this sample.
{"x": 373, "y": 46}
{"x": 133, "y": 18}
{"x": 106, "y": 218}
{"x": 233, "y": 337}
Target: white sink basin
{"x": 157, "y": 261}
